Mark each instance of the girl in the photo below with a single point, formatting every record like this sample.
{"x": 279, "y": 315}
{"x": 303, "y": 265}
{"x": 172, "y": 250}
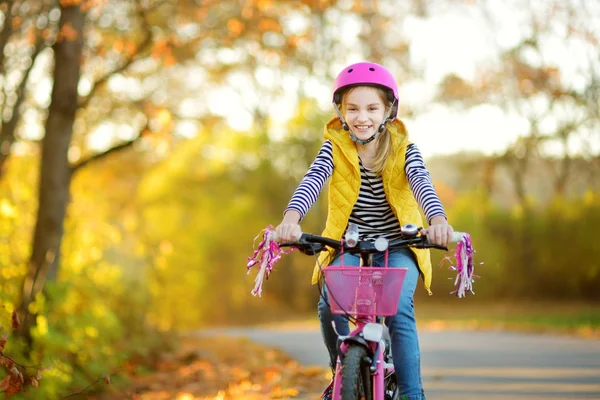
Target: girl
{"x": 378, "y": 181}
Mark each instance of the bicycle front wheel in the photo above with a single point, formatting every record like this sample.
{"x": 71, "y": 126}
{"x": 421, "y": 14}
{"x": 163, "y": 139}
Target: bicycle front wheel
{"x": 356, "y": 378}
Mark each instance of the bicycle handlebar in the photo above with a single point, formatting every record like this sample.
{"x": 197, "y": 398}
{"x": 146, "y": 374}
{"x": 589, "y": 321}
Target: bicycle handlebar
{"x": 363, "y": 246}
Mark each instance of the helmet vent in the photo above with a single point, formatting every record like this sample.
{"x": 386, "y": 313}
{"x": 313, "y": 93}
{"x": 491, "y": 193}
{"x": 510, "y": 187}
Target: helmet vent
{"x": 350, "y": 70}
{"x": 371, "y": 69}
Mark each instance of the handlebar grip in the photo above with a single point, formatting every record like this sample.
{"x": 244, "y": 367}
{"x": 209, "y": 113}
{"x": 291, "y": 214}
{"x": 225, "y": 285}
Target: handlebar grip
{"x": 456, "y": 237}
{"x": 273, "y": 236}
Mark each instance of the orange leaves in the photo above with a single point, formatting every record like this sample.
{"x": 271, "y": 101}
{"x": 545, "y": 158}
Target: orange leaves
{"x": 454, "y": 87}
{"x": 89, "y": 4}
{"x": 227, "y": 368}
{"x": 533, "y": 79}
{"x": 67, "y": 32}
{"x": 70, "y": 3}
{"x": 3, "y": 340}
{"x": 15, "y": 320}
{"x": 235, "y": 26}
{"x": 263, "y": 4}
{"x": 86, "y": 5}
{"x": 14, "y": 382}
{"x": 16, "y": 22}
{"x": 267, "y": 24}
{"x": 163, "y": 50}
{"x": 126, "y": 47}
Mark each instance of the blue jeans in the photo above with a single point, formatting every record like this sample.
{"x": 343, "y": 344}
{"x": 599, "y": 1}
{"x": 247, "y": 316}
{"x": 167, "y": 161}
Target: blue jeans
{"x": 402, "y": 326}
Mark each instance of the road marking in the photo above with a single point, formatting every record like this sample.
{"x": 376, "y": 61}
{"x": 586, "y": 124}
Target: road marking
{"x": 522, "y": 387}
{"x": 516, "y": 372}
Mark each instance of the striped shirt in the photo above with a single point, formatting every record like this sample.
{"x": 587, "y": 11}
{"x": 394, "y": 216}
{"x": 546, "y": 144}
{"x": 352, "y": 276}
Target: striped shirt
{"x": 372, "y": 212}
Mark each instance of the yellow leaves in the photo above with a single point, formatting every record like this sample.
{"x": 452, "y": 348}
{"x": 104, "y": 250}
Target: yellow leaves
{"x": 41, "y": 328}
{"x": 166, "y": 247}
{"x": 7, "y": 209}
{"x": 164, "y": 118}
{"x": 91, "y": 331}
{"x": 589, "y": 197}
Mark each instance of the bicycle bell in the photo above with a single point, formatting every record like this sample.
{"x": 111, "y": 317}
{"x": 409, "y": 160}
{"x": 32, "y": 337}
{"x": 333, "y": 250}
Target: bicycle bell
{"x": 409, "y": 230}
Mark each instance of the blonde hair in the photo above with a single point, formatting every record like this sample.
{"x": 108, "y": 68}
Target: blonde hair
{"x": 384, "y": 140}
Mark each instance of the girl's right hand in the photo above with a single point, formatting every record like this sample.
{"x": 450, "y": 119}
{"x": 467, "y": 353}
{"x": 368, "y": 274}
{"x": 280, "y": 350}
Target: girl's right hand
{"x": 287, "y": 232}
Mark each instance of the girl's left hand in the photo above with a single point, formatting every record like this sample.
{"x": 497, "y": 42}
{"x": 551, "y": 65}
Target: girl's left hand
{"x": 439, "y": 232}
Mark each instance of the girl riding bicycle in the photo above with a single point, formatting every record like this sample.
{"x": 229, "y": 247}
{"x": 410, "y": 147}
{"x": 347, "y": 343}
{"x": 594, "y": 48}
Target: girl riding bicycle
{"x": 378, "y": 182}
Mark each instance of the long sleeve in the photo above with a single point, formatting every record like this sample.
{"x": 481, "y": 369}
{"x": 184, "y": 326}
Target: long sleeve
{"x": 421, "y": 184}
{"x": 309, "y": 188}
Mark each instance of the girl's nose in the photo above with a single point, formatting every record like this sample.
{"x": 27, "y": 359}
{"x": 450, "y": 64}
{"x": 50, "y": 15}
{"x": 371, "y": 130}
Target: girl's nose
{"x": 362, "y": 116}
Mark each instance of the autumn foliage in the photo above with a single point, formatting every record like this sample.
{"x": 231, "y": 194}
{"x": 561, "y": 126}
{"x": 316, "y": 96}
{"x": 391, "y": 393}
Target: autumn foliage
{"x": 19, "y": 378}
{"x": 131, "y": 190}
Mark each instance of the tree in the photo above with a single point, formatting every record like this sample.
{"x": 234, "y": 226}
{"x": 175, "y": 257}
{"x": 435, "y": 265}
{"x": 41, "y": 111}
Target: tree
{"x": 55, "y": 171}
{"x": 548, "y": 78}
{"x": 26, "y": 30}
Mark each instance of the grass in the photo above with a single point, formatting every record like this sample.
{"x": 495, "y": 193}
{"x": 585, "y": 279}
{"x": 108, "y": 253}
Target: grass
{"x": 565, "y": 318}
{"x": 577, "y": 318}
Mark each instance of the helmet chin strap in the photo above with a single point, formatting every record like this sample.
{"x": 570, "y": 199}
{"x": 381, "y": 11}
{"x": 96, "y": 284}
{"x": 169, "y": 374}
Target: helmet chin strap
{"x": 352, "y": 135}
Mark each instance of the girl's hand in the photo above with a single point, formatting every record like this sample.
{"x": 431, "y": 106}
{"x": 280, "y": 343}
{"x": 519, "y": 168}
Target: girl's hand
{"x": 439, "y": 232}
{"x": 289, "y": 230}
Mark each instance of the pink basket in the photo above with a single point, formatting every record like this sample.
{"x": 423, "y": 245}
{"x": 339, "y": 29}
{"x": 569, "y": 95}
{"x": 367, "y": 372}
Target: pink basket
{"x": 364, "y": 291}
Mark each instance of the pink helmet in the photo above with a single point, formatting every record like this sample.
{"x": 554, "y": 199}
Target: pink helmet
{"x": 367, "y": 73}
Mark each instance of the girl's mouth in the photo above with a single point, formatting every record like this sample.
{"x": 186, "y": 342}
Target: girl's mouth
{"x": 362, "y": 128}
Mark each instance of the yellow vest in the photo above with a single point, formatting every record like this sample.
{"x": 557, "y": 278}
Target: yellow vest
{"x": 344, "y": 187}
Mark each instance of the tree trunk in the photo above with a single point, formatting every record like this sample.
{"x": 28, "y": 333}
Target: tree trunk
{"x": 55, "y": 173}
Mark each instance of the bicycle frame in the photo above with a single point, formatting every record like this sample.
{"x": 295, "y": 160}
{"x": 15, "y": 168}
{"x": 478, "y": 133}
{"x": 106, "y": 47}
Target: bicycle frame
{"x": 369, "y": 334}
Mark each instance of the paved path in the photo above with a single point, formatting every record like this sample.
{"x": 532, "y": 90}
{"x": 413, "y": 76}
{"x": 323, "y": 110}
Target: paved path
{"x": 473, "y": 365}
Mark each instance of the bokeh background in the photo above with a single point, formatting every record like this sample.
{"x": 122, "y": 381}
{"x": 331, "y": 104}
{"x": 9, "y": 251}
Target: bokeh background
{"x": 145, "y": 143}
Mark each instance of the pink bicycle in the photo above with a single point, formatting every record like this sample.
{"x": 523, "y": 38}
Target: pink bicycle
{"x": 364, "y": 368}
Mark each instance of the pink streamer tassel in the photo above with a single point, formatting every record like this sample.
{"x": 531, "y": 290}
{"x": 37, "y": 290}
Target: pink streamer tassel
{"x": 464, "y": 266}
{"x": 266, "y": 255}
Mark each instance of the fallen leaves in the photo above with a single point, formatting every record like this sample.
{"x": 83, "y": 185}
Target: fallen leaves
{"x": 226, "y": 368}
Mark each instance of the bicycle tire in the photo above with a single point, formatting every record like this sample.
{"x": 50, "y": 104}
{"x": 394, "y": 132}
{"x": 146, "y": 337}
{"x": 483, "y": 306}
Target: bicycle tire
{"x": 391, "y": 390}
{"x": 356, "y": 377}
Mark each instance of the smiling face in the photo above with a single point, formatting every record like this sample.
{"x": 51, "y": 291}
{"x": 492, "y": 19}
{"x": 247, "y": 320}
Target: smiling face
{"x": 364, "y": 108}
